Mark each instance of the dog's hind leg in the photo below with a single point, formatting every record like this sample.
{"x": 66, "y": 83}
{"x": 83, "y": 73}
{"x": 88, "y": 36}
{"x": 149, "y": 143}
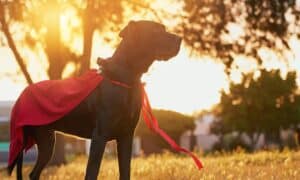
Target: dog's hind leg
{"x": 45, "y": 140}
{"x": 19, "y": 166}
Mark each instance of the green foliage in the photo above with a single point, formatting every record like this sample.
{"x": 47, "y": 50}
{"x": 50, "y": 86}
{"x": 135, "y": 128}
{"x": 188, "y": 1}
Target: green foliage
{"x": 207, "y": 26}
{"x": 262, "y": 105}
{"x": 231, "y": 142}
{"x": 173, "y": 123}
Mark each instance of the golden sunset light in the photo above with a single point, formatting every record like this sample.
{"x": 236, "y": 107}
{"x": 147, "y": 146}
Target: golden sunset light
{"x": 185, "y": 84}
{"x": 149, "y": 89}
{"x": 182, "y": 84}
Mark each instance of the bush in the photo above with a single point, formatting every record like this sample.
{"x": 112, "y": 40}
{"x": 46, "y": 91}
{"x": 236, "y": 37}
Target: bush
{"x": 173, "y": 123}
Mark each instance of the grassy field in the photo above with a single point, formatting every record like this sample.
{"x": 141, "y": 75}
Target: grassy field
{"x": 261, "y": 165}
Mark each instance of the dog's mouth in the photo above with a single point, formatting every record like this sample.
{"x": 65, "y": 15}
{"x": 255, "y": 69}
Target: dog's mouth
{"x": 172, "y": 50}
{"x": 164, "y": 56}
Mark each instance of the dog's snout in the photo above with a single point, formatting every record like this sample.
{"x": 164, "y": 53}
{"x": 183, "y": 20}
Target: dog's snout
{"x": 179, "y": 39}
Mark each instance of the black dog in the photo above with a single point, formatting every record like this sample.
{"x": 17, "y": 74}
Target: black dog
{"x": 110, "y": 111}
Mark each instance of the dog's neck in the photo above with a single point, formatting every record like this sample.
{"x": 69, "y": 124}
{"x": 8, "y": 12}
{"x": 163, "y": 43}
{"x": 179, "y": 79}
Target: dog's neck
{"x": 116, "y": 71}
{"x": 126, "y": 65}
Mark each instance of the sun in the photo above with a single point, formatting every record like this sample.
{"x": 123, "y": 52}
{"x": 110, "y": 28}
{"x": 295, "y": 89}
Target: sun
{"x": 185, "y": 85}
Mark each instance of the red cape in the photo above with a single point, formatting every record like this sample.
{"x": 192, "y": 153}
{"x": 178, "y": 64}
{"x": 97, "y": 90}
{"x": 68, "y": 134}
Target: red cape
{"x": 45, "y": 102}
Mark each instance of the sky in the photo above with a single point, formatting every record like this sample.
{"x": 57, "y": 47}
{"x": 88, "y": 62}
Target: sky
{"x": 181, "y": 84}
{"x": 185, "y": 84}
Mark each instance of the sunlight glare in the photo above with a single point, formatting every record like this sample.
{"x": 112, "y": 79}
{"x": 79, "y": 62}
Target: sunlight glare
{"x": 9, "y": 90}
{"x": 184, "y": 85}
{"x": 71, "y": 30}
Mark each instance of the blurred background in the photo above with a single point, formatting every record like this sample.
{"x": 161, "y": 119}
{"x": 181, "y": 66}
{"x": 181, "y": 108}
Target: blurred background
{"x": 234, "y": 83}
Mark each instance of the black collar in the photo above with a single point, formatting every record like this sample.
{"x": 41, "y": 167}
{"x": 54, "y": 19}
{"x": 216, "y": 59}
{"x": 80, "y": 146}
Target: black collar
{"x": 119, "y": 75}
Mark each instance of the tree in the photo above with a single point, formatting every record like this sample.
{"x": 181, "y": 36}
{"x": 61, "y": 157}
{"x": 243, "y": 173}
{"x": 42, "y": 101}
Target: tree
{"x": 39, "y": 24}
{"x": 173, "y": 123}
{"x": 263, "y": 105}
{"x": 225, "y": 29}
{"x": 11, "y": 44}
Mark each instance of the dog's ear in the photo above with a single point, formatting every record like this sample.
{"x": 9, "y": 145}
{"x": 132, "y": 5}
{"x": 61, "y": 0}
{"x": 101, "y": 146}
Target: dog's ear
{"x": 128, "y": 29}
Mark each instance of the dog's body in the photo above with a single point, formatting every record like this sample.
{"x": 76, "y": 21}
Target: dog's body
{"x": 110, "y": 111}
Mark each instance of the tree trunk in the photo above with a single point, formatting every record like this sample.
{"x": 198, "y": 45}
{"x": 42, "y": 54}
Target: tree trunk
{"x": 88, "y": 32}
{"x": 53, "y": 41}
{"x": 298, "y": 136}
{"x": 254, "y": 139}
{"x": 273, "y": 138}
{"x": 12, "y": 45}
{"x": 193, "y": 140}
{"x": 56, "y": 67}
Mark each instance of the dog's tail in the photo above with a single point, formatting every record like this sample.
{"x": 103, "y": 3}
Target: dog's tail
{"x": 19, "y": 163}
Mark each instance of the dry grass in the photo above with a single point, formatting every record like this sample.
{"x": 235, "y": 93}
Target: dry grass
{"x": 261, "y": 165}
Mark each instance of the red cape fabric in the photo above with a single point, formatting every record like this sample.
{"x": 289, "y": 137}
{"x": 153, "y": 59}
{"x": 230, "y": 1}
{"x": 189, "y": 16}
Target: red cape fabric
{"x": 46, "y": 102}
{"x": 152, "y": 124}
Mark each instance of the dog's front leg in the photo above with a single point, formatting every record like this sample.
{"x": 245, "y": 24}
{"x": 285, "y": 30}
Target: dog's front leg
{"x": 124, "y": 146}
{"x": 98, "y": 143}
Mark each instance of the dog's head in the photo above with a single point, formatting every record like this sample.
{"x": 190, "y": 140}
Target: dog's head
{"x": 151, "y": 40}
{"x": 142, "y": 43}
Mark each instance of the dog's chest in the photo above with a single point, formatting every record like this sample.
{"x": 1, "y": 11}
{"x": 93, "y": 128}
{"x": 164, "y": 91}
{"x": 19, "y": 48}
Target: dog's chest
{"x": 130, "y": 110}
{"x": 122, "y": 109}
{"x": 131, "y": 104}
